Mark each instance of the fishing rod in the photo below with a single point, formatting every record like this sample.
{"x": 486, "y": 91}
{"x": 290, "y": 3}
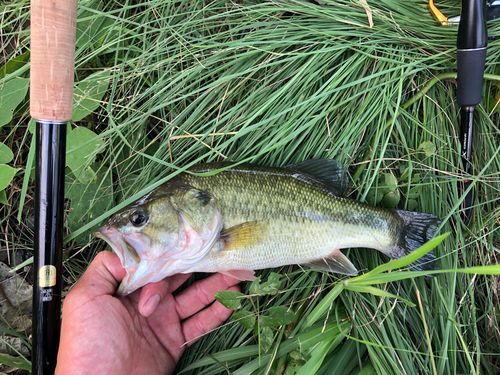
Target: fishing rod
{"x": 472, "y": 40}
{"x": 53, "y": 29}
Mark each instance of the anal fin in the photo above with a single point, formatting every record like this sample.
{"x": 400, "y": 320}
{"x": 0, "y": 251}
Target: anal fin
{"x": 336, "y": 262}
{"x": 243, "y": 275}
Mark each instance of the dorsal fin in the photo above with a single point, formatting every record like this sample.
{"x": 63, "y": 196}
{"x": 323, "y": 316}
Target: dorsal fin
{"x": 328, "y": 171}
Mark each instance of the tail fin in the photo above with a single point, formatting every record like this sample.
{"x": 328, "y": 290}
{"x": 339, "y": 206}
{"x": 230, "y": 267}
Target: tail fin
{"x": 418, "y": 228}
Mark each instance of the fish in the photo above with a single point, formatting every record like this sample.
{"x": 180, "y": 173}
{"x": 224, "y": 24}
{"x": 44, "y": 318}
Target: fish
{"x": 237, "y": 218}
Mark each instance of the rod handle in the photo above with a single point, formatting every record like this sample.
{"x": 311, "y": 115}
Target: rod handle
{"x": 53, "y": 30}
{"x": 472, "y": 31}
{"x": 472, "y": 39}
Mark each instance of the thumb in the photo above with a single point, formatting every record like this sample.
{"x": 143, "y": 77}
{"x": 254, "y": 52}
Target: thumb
{"x": 102, "y": 276}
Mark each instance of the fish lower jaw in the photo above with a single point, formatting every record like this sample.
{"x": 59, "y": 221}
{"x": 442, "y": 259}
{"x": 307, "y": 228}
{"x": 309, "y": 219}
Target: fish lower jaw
{"x": 141, "y": 274}
{"x": 157, "y": 268}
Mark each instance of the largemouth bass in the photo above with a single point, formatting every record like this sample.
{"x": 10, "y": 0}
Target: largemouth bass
{"x": 249, "y": 217}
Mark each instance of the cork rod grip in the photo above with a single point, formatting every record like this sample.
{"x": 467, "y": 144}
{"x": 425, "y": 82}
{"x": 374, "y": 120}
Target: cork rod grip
{"x": 53, "y": 29}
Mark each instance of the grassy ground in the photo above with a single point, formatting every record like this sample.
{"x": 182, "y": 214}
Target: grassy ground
{"x": 163, "y": 85}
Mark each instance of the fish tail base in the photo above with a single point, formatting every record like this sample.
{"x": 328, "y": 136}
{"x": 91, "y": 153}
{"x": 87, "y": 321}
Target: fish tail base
{"x": 417, "y": 228}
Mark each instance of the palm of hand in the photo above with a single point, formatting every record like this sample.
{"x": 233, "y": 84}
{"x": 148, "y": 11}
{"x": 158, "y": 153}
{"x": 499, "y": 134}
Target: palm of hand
{"x": 110, "y": 335}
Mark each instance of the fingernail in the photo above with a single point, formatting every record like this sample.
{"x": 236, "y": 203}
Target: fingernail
{"x": 151, "y": 304}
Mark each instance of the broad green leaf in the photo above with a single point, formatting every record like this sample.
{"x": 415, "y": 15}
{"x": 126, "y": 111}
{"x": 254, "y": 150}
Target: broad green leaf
{"x": 405, "y": 173}
{"x": 374, "y": 196}
{"x": 412, "y": 205}
{"x": 254, "y": 285}
{"x": 293, "y": 367}
{"x": 88, "y": 94}
{"x": 87, "y": 201}
{"x": 91, "y": 27}
{"x": 277, "y": 316}
{"x": 15, "y": 362}
{"x": 428, "y": 147}
{"x": 30, "y": 161}
{"x": 82, "y": 143}
{"x": 88, "y": 175}
{"x": 32, "y": 126}
{"x": 391, "y": 199}
{"x": 14, "y": 64}
{"x": 6, "y": 154}
{"x": 245, "y": 318}
{"x": 271, "y": 286}
{"x": 3, "y": 197}
{"x": 266, "y": 338}
{"x": 11, "y": 94}
{"x": 296, "y": 363}
{"x": 7, "y": 173}
{"x": 391, "y": 183}
{"x": 230, "y": 298}
{"x": 297, "y": 355}
{"x": 414, "y": 192}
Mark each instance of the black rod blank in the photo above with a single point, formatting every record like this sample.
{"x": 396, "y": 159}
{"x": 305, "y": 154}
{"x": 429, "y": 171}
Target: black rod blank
{"x": 472, "y": 40}
{"x": 49, "y": 216}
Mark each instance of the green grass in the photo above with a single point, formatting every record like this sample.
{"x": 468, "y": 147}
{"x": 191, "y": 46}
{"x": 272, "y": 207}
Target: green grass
{"x": 275, "y": 83}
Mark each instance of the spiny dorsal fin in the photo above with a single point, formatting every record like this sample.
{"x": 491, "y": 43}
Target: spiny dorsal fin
{"x": 243, "y": 236}
{"x": 336, "y": 262}
{"x": 328, "y": 171}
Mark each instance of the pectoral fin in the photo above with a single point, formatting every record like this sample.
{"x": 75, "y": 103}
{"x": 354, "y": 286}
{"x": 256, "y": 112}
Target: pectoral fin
{"x": 336, "y": 262}
{"x": 244, "y": 236}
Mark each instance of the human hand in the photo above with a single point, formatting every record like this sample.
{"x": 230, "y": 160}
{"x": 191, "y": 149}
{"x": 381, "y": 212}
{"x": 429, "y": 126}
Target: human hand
{"x": 142, "y": 333}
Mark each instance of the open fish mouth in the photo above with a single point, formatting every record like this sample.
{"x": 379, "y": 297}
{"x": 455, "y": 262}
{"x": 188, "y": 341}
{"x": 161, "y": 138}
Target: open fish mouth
{"x": 145, "y": 263}
{"x": 125, "y": 247}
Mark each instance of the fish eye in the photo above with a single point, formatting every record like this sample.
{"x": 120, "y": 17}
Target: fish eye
{"x": 203, "y": 197}
{"x": 138, "y": 218}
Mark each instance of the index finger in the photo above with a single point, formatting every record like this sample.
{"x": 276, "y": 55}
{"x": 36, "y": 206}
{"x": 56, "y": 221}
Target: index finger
{"x": 160, "y": 288}
{"x": 201, "y": 293}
